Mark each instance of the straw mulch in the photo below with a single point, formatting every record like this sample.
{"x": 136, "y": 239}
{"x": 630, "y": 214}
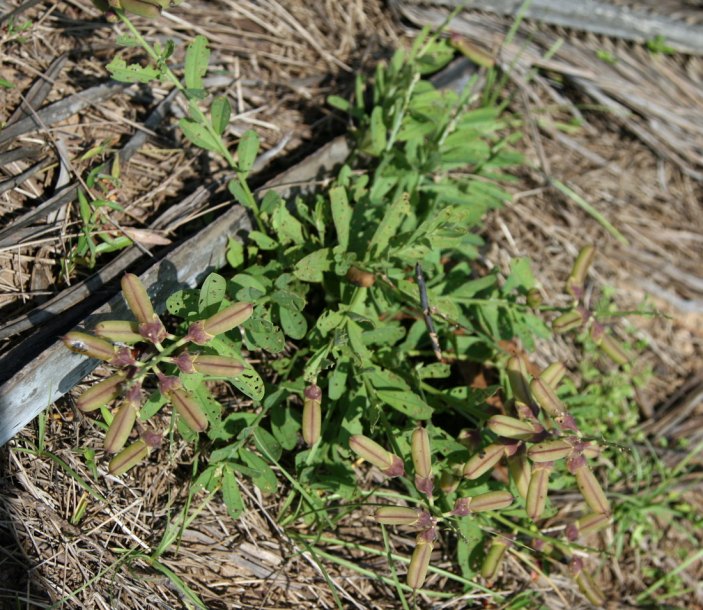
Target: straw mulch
{"x": 279, "y": 59}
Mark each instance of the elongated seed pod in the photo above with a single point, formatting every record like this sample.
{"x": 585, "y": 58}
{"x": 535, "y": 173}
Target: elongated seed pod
{"x": 571, "y": 320}
{"x": 588, "y": 524}
{"x": 590, "y": 489}
{"x": 520, "y": 471}
{"x": 129, "y": 457}
{"x": 537, "y": 490}
{"x": 101, "y": 393}
{"x": 516, "y": 369}
{"x": 577, "y": 278}
{"x": 312, "y": 414}
{"x": 550, "y": 451}
{"x": 511, "y": 427}
{"x": 121, "y": 427}
{"x": 491, "y": 500}
{"x": 553, "y": 374}
{"x": 419, "y": 563}
{"x": 228, "y": 318}
{"x": 137, "y": 298}
{"x": 494, "y": 556}
{"x": 142, "y": 8}
{"x": 189, "y": 409}
{"x": 89, "y": 345}
{"x": 422, "y": 460}
{"x": 611, "y": 348}
{"x": 389, "y": 463}
{"x": 586, "y": 583}
{"x": 217, "y": 366}
{"x": 119, "y": 331}
{"x": 483, "y": 461}
{"x": 546, "y": 398}
{"x": 397, "y": 515}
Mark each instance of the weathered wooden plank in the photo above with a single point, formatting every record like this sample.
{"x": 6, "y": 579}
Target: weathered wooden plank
{"x": 56, "y": 370}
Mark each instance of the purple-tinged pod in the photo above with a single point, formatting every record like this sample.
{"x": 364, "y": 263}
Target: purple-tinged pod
{"x": 566, "y": 422}
{"x": 217, "y": 366}
{"x": 419, "y": 563}
{"x": 494, "y": 556}
{"x": 153, "y": 331}
{"x": 184, "y": 362}
{"x": 525, "y": 411}
{"x": 398, "y": 515}
{"x": 129, "y": 457}
{"x": 577, "y": 278}
{"x": 588, "y": 524}
{"x": 137, "y": 298}
{"x": 312, "y": 414}
{"x": 422, "y": 460}
{"x": 516, "y": 369}
{"x": 491, "y": 500}
{"x": 520, "y": 471}
{"x": 470, "y": 438}
{"x": 511, "y": 427}
{"x": 546, "y": 398}
{"x": 550, "y": 451}
{"x": 89, "y": 345}
{"x": 389, "y": 463}
{"x": 537, "y": 490}
{"x": 483, "y": 461}
{"x": 119, "y": 331}
{"x": 189, "y": 409}
{"x": 586, "y": 583}
{"x": 203, "y": 331}
{"x": 123, "y": 358}
{"x": 571, "y": 320}
{"x": 120, "y": 427}
{"x": 553, "y": 374}
{"x": 589, "y": 486}
{"x": 168, "y": 383}
{"x": 101, "y": 393}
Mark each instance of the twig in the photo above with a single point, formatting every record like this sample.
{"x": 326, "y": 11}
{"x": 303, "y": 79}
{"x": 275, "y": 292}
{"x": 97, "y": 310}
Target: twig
{"x": 427, "y": 312}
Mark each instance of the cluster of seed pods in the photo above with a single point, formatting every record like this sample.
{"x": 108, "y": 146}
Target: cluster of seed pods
{"x": 580, "y": 316}
{"x": 113, "y": 342}
{"x": 421, "y": 519}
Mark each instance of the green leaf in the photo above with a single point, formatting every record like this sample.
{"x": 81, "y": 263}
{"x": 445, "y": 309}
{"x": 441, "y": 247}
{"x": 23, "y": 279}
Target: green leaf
{"x": 208, "y": 479}
{"x": 436, "y": 370}
{"x": 407, "y": 403}
{"x": 220, "y": 112}
{"x": 199, "y": 135}
{"x": 283, "y": 424}
{"x": 250, "y": 383}
{"x": 312, "y": 267}
{"x": 134, "y": 73}
{"x": 396, "y": 213}
{"x": 262, "y": 476}
{"x": 339, "y": 103}
{"x": 152, "y": 405}
{"x": 230, "y": 493}
{"x": 183, "y": 303}
{"x": 520, "y": 275}
{"x": 197, "y": 57}
{"x": 247, "y": 149}
{"x": 293, "y": 323}
{"x": 287, "y": 227}
{"x": 329, "y": 320}
{"x": 288, "y": 299}
{"x": 264, "y": 335}
{"x": 377, "y": 133}
{"x": 235, "y": 253}
{"x": 211, "y": 294}
{"x": 267, "y": 444}
{"x": 341, "y": 214}
{"x": 262, "y": 240}
{"x": 337, "y": 384}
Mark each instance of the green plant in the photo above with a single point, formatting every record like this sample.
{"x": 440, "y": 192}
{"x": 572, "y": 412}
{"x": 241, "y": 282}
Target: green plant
{"x": 363, "y": 303}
